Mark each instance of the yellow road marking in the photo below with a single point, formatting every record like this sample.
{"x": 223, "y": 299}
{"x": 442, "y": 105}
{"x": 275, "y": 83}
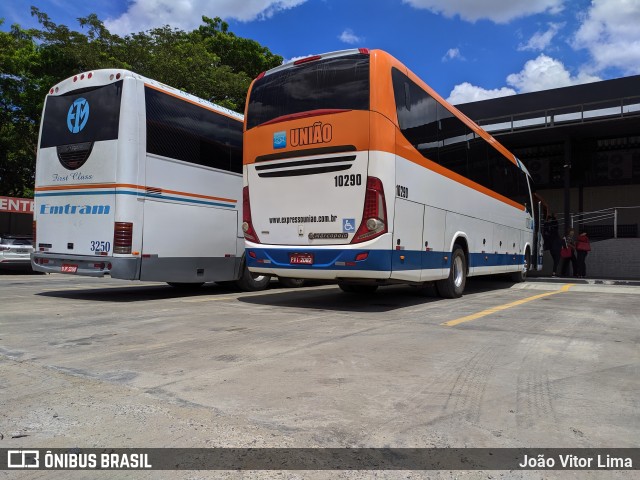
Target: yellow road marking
{"x": 489, "y": 311}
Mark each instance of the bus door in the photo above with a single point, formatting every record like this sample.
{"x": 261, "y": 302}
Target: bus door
{"x": 408, "y": 246}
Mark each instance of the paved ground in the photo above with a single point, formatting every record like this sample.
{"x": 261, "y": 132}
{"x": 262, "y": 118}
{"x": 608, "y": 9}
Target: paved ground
{"x": 105, "y": 363}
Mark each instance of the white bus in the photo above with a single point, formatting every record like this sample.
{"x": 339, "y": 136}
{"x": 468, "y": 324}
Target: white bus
{"x": 139, "y": 181}
{"x": 356, "y": 170}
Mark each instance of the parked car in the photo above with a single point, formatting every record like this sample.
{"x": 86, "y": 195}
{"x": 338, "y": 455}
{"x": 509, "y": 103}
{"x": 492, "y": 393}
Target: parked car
{"x": 15, "y": 251}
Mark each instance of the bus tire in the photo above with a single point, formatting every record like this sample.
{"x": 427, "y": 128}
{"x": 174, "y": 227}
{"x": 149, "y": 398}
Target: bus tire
{"x": 252, "y": 282}
{"x": 291, "y": 282}
{"x": 453, "y": 285}
{"x": 521, "y": 275}
{"x": 186, "y": 286}
{"x": 359, "y": 289}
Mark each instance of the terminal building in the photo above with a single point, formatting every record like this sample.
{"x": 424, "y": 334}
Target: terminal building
{"x": 581, "y": 145}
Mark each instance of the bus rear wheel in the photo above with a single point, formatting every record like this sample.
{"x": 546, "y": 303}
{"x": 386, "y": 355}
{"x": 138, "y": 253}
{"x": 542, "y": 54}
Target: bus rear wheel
{"x": 252, "y": 282}
{"x": 453, "y": 285}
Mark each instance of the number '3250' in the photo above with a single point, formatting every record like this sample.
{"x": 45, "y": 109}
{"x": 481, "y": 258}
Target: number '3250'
{"x": 100, "y": 246}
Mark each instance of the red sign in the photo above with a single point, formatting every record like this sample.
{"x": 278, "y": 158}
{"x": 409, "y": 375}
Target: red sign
{"x": 16, "y": 205}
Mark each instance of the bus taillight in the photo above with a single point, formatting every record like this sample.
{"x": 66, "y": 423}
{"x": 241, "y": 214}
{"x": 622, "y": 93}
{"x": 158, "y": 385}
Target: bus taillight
{"x": 247, "y": 227}
{"x": 374, "y": 216}
{"x": 122, "y": 237}
{"x": 33, "y": 240}
{"x": 312, "y": 58}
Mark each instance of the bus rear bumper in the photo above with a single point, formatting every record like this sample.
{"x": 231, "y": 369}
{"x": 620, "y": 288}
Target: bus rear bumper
{"x": 328, "y": 264}
{"x": 127, "y": 268}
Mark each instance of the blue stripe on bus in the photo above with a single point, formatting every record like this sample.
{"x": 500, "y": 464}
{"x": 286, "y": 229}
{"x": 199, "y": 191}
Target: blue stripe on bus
{"x": 378, "y": 260}
{"x": 124, "y": 192}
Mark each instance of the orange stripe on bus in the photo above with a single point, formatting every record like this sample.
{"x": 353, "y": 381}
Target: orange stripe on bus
{"x": 129, "y": 185}
{"x": 198, "y": 195}
{"x": 407, "y": 151}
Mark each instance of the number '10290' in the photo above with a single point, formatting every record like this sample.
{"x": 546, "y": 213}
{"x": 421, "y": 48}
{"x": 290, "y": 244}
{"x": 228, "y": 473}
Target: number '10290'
{"x": 348, "y": 180}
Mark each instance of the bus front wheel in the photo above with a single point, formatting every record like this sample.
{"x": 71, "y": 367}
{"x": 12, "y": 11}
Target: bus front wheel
{"x": 453, "y": 285}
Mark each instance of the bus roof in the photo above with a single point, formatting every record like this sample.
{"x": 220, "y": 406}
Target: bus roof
{"x": 105, "y": 76}
{"x": 323, "y": 56}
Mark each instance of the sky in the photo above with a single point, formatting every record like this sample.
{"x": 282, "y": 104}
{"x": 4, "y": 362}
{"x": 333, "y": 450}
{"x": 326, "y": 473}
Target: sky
{"x": 467, "y": 50}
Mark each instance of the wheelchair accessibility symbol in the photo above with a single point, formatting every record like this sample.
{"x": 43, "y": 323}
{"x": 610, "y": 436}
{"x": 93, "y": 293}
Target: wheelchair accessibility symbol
{"x": 348, "y": 225}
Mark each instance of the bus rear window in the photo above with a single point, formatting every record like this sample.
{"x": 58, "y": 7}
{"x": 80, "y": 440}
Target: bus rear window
{"x": 87, "y": 115}
{"x": 334, "y": 83}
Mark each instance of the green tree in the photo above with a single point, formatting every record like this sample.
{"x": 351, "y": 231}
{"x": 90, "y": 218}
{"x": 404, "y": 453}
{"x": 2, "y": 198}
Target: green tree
{"x": 210, "y": 62}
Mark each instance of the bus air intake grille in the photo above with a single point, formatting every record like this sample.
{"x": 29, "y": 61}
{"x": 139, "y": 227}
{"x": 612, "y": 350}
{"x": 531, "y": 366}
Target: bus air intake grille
{"x": 75, "y": 155}
{"x": 306, "y": 167}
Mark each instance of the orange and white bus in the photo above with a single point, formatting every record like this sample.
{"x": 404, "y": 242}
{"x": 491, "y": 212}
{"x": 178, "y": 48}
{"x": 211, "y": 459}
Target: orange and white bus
{"x": 356, "y": 170}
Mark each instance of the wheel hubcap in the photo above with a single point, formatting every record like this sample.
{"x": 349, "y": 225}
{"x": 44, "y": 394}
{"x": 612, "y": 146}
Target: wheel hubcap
{"x": 458, "y": 271}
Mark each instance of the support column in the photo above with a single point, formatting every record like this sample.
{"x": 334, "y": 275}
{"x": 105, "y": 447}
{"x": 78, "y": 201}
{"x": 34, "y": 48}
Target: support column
{"x": 567, "y": 184}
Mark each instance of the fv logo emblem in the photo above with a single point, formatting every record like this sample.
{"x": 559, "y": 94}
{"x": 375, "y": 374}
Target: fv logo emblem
{"x": 78, "y": 115}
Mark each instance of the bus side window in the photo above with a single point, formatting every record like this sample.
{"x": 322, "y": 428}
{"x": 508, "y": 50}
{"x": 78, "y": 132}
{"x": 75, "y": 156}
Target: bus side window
{"x": 417, "y": 116}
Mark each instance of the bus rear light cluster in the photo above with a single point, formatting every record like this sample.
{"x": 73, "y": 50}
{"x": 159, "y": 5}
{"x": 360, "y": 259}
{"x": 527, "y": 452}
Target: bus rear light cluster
{"x": 247, "y": 226}
{"x": 122, "y": 237}
{"x": 374, "y": 216}
{"x": 33, "y": 233}
{"x": 312, "y": 58}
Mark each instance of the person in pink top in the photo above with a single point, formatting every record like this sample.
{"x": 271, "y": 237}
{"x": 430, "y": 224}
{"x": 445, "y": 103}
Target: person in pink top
{"x": 583, "y": 247}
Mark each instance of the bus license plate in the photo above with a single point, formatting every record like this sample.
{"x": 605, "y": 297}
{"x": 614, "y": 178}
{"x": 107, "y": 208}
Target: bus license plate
{"x": 301, "y": 259}
{"x": 69, "y": 268}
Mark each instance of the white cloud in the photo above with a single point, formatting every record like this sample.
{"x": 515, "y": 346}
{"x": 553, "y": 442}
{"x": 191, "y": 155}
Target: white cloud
{"x": 610, "y": 31}
{"x": 349, "y": 37}
{"x": 498, "y": 11}
{"x": 452, "y": 54}
{"x": 187, "y": 14}
{"x": 541, "y": 73}
{"x": 541, "y": 40}
{"x": 465, "y": 92}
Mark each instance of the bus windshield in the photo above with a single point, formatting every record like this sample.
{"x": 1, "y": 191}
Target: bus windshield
{"x": 86, "y": 115}
{"x": 334, "y": 83}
